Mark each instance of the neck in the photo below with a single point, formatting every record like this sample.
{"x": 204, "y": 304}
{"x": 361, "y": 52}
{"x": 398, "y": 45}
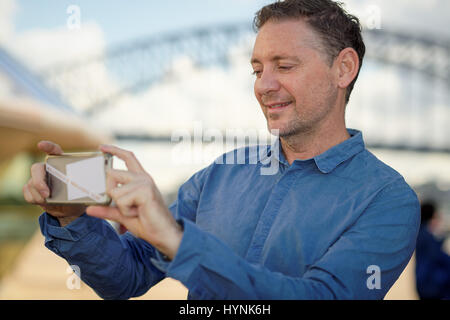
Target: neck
{"x": 307, "y": 145}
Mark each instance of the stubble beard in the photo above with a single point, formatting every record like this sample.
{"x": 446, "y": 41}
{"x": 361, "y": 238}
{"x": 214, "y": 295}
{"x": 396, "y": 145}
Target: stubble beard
{"x": 293, "y": 128}
{"x": 303, "y": 125}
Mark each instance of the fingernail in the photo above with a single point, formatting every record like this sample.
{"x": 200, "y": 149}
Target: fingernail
{"x": 44, "y": 193}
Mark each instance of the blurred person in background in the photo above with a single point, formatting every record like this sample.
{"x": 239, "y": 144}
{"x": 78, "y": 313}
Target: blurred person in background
{"x": 332, "y": 222}
{"x": 432, "y": 262}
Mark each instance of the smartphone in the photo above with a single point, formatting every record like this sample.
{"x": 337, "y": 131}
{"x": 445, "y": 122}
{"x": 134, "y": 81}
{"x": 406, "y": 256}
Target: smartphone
{"x": 78, "y": 178}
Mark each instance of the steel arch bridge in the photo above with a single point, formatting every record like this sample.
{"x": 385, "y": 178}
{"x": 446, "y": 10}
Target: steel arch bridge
{"x": 139, "y": 64}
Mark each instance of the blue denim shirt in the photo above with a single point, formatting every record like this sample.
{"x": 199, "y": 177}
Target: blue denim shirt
{"x": 342, "y": 225}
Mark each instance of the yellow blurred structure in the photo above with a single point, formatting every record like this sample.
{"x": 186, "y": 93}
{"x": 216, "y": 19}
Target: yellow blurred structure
{"x": 24, "y": 122}
{"x": 405, "y": 287}
{"x": 25, "y": 119}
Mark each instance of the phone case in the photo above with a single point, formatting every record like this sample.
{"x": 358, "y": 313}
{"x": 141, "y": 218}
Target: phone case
{"x": 58, "y": 181}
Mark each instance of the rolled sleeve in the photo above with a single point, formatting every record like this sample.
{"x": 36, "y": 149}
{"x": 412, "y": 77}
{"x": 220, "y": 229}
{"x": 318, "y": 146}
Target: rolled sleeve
{"x": 189, "y": 254}
{"x": 115, "y": 267}
{"x": 209, "y": 268}
{"x": 76, "y": 230}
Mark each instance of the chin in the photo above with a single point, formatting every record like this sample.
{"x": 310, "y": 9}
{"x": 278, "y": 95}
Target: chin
{"x": 287, "y": 130}
{"x": 272, "y": 128}
{"x": 280, "y": 128}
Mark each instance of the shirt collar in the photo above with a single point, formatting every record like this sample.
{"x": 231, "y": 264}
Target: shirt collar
{"x": 327, "y": 161}
{"x": 330, "y": 159}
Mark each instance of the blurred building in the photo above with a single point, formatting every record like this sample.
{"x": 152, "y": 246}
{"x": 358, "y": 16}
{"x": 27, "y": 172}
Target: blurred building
{"x": 29, "y": 112}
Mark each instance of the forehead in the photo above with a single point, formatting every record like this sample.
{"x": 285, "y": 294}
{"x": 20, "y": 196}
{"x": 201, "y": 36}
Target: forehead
{"x": 284, "y": 38}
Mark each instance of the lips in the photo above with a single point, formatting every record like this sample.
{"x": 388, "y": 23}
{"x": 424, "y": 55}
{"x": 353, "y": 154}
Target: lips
{"x": 279, "y": 105}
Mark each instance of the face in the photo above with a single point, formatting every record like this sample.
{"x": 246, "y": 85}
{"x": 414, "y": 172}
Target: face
{"x": 295, "y": 84}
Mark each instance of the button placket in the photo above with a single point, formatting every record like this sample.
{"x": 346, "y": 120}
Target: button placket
{"x": 268, "y": 216}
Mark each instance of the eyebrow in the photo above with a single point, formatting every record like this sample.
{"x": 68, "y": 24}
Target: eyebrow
{"x": 277, "y": 58}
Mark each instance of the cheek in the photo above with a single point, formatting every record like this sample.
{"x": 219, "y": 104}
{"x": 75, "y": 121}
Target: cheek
{"x": 296, "y": 88}
{"x": 257, "y": 96}
{"x": 310, "y": 88}
{"x": 255, "y": 92}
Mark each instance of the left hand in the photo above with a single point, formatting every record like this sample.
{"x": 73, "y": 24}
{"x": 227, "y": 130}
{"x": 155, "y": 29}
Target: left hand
{"x": 140, "y": 206}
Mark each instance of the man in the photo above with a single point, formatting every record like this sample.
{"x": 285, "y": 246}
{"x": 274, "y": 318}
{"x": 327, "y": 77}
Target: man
{"x": 333, "y": 222}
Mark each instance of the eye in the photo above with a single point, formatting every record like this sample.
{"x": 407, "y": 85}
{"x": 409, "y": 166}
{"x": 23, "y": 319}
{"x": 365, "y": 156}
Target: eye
{"x": 257, "y": 73}
{"x": 285, "y": 67}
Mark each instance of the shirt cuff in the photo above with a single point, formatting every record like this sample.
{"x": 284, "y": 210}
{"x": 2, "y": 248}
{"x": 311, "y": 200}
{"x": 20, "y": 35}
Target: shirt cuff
{"x": 77, "y": 229}
{"x": 189, "y": 254}
{"x": 161, "y": 261}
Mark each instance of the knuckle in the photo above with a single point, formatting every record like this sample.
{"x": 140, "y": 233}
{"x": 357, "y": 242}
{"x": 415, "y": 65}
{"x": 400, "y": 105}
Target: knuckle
{"x": 38, "y": 184}
{"x": 29, "y": 198}
{"x": 37, "y": 199}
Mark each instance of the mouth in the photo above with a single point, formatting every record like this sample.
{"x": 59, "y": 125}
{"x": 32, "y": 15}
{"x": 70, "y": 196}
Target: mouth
{"x": 278, "y": 106}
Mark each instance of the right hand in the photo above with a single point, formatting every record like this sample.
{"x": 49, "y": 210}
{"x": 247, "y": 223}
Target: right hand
{"x": 36, "y": 190}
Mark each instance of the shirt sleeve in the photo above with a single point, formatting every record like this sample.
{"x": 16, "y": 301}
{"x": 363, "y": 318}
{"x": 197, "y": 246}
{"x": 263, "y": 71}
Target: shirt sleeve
{"x": 362, "y": 264}
{"x": 116, "y": 266}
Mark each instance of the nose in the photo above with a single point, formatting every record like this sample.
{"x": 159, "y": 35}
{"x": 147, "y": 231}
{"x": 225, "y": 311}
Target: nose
{"x": 266, "y": 83}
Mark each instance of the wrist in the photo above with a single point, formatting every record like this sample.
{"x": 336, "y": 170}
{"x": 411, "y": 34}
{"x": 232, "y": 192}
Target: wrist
{"x": 65, "y": 214}
{"x": 170, "y": 247}
{"x": 64, "y": 221}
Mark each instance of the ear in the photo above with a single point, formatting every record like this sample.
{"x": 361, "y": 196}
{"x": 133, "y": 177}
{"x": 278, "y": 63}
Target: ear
{"x": 347, "y": 67}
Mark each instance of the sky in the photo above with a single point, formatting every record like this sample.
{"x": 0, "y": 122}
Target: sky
{"x": 104, "y": 24}
{"x": 123, "y": 20}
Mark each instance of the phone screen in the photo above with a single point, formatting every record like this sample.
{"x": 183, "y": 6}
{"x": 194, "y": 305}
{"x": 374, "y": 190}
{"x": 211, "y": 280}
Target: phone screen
{"x": 78, "y": 178}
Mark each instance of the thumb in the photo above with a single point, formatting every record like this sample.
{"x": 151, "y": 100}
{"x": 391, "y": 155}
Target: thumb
{"x": 110, "y": 213}
{"x": 50, "y": 147}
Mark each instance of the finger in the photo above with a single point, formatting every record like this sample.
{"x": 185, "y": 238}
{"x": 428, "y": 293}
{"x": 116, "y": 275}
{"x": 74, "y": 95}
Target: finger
{"x": 129, "y": 202}
{"x": 38, "y": 179}
{"x": 130, "y": 159}
{"x": 27, "y": 194}
{"x": 36, "y": 196}
{"x": 50, "y": 147}
{"x": 114, "y": 177}
{"x": 120, "y": 191}
{"x": 110, "y": 213}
